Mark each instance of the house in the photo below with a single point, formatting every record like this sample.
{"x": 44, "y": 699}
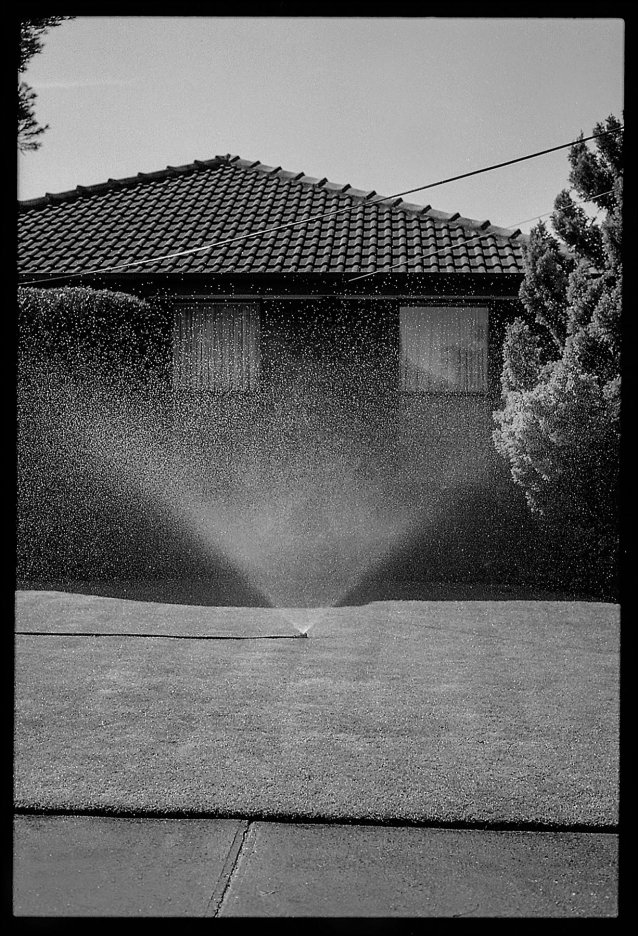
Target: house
{"x": 248, "y": 250}
{"x": 278, "y": 281}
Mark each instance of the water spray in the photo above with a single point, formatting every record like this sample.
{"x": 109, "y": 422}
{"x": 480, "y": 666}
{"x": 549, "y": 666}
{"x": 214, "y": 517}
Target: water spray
{"x": 246, "y": 489}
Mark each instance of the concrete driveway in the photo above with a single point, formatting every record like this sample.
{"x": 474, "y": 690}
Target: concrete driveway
{"x": 83, "y": 866}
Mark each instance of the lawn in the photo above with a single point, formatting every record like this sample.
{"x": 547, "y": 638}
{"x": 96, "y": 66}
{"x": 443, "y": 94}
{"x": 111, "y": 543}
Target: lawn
{"x": 446, "y": 711}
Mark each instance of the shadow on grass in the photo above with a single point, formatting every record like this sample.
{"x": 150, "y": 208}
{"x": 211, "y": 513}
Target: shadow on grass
{"x": 213, "y": 591}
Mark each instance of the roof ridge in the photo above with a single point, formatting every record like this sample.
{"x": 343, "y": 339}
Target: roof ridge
{"x": 391, "y": 202}
{"x": 96, "y": 188}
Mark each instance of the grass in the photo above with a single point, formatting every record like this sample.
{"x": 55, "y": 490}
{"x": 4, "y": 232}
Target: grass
{"x": 457, "y": 711}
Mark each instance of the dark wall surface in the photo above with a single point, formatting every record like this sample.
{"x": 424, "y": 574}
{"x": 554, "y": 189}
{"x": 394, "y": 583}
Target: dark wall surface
{"x": 326, "y": 486}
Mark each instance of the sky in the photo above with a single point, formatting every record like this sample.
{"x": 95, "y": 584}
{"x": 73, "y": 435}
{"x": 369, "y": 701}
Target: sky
{"x": 382, "y": 103}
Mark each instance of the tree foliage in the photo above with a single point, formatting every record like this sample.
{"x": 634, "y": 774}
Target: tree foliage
{"x": 559, "y": 425}
{"x": 32, "y": 32}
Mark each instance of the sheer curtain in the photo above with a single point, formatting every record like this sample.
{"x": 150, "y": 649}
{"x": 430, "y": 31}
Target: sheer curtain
{"x": 216, "y": 347}
{"x": 443, "y": 348}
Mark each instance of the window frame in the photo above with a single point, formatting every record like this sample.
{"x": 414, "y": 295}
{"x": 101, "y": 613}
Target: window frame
{"x": 404, "y": 391}
{"x": 213, "y": 389}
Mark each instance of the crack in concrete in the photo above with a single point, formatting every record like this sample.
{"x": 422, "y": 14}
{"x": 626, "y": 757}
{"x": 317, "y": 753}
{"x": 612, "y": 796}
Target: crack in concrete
{"x": 228, "y": 871}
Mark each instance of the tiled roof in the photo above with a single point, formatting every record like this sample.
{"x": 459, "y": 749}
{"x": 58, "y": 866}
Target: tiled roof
{"x": 216, "y": 201}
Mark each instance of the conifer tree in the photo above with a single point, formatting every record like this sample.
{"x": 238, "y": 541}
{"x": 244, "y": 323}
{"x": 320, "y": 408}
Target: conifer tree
{"x": 32, "y": 32}
{"x": 559, "y": 424}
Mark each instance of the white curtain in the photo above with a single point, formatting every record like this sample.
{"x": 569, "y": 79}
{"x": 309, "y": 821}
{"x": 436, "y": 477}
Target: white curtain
{"x": 443, "y": 348}
{"x": 216, "y": 347}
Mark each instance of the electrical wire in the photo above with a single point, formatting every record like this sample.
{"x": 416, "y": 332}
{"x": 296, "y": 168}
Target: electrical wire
{"x": 474, "y": 237}
{"x": 308, "y": 220}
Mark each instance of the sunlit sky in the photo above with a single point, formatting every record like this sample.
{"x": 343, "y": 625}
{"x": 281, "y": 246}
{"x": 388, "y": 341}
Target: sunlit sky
{"x": 380, "y": 103}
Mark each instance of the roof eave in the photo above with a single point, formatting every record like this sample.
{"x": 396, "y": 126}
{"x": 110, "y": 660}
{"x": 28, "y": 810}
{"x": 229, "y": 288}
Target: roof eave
{"x": 474, "y": 285}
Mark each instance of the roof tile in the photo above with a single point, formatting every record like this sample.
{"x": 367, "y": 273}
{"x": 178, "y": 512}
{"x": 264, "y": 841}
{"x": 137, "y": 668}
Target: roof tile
{"x": 227, "y": 200}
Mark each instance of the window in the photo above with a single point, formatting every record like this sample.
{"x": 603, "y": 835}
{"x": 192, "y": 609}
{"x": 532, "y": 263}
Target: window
{"x": 216, "y": 346}
{"x": 443, "y": 349}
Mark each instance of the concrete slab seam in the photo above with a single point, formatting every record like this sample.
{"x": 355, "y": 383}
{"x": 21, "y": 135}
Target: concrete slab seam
{"x": 228, "y": 870}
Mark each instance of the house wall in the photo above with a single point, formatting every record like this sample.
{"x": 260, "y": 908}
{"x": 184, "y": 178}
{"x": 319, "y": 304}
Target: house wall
{"x": 329, "y": 372}
{"x": 327, "y": 471}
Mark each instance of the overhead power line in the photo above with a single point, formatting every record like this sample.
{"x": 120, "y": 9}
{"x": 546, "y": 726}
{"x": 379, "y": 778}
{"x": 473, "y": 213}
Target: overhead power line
{"x": 313, "y": 218}
{"x": 450, "y": 248}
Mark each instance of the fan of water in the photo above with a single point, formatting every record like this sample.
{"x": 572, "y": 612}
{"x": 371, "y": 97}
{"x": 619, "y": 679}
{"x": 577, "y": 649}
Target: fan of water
{"x": 302, "y": 495}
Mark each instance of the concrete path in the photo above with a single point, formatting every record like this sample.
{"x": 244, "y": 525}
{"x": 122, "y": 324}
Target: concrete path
{"x": 88, "y": 866}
